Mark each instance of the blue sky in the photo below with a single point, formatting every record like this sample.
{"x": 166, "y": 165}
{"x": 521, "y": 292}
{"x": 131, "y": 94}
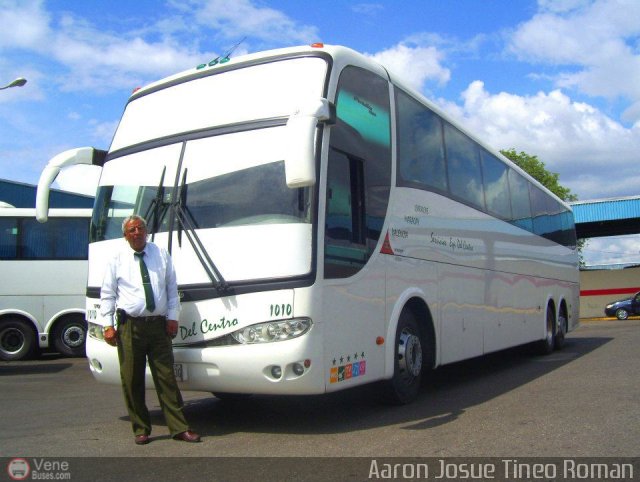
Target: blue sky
{"x": 558, "y": 79}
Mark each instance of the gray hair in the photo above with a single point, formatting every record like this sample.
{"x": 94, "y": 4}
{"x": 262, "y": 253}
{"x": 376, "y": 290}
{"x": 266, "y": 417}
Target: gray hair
{"x": 133, "y": 217}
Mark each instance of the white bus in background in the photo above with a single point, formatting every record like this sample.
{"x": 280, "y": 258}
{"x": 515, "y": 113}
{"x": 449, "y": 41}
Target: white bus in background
{"x": 330, "y": 227}
{"x": 43, "y": 283}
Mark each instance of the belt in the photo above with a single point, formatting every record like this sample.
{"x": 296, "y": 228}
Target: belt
{"x": 146, "y": 319}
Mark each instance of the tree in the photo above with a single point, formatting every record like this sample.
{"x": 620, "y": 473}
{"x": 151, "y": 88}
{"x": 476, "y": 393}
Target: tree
{"x": 536, "y": 169}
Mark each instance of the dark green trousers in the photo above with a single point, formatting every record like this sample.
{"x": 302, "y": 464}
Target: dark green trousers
{"x": 139, "y": 341}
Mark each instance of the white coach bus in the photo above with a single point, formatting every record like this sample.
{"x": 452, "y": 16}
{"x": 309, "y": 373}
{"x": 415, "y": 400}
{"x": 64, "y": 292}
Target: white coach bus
{"x": 330, "y": 227}
{"x": 43, "y": 282}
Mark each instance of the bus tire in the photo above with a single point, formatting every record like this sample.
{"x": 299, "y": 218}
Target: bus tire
{"x": 561, "y": 331}
{"x": 545, "y": 346}
{"x": 17, "y": 340}
{"x": 404, "y": 386}
{"x": 69, "y": 336}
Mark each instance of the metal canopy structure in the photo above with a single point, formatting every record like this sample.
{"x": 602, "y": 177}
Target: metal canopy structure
{"x": 607, "y": 217}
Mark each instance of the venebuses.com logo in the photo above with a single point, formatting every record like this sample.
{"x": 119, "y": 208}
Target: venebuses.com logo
{"x": 38, "y": 469}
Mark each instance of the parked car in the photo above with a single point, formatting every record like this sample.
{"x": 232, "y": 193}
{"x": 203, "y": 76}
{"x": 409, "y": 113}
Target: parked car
{"x": 622, "y": 309}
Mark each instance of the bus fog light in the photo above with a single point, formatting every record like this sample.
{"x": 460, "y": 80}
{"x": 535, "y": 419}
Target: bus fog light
{"x": 276, "y": 371}
{"x": 298, "y": 369}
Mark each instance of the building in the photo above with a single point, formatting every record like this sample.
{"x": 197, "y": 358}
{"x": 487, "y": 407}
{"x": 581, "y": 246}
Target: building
{"x": 23, "y": 195}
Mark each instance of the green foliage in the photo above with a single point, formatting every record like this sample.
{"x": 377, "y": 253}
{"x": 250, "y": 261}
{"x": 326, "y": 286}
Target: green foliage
{"x": 536, "y": 169}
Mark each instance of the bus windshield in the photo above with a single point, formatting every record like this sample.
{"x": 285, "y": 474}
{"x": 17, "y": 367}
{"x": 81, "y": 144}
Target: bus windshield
{"x": 253, "y": 196}
{"x": 233, "y": 193}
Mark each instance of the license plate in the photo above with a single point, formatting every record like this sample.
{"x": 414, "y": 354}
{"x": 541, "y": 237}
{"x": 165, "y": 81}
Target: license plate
{"x": 180, "y": 371}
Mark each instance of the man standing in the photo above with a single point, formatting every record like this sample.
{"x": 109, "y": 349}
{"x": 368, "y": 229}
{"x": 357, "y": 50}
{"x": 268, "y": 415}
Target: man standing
{"x": 140, "y": 286}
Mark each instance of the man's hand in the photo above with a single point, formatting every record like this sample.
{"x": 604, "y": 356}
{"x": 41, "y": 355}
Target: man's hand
{"x": 172, "y": 328}
{"x": 111, "y": 336}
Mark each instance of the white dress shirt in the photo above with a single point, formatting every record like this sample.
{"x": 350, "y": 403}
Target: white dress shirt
{"x": 122, "y": 286}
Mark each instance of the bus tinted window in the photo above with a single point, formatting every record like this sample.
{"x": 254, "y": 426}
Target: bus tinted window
{"x": 541, "y": 208}
{"x": 57, "y": 239}
{"x": 358, "y": 173}
{"x": 420, "y": 147}
{"x": 8, "y": 238}
{"x": 520, "y": 204}
{"x": 258, "y": 195}
{"x": 496, "y": 185}
{"x": 463, "y": 166}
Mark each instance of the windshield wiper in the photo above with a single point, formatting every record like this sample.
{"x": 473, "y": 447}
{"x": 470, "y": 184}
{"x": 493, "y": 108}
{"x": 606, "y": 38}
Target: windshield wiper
{"x": 186, "y": 223}
{"x": 152, "y": 215}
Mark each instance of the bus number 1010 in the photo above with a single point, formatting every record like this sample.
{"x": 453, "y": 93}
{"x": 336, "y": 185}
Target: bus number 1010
{"x": 283, "y": 309}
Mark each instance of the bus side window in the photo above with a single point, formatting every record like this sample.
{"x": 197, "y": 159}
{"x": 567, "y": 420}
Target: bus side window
{"x": 358, "y": 172}
{"x": 345, "y": 240}
{"x": 8, "y": 238}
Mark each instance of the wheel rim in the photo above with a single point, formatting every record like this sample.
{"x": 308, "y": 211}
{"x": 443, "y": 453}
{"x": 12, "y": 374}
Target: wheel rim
{"x": 409, "y": 354}
{"x": 11, "y": 340}
{"x": 622, "y": 315}
{"x": 73, "y": 336}
{"x": 549, "y": 336}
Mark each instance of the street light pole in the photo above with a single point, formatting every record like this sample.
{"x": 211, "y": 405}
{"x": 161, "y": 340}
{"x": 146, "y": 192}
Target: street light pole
{"x": 19, "y": 82}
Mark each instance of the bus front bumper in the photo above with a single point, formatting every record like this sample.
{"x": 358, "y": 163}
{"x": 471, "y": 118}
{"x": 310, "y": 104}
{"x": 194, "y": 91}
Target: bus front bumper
{"x": 292, "y": 367}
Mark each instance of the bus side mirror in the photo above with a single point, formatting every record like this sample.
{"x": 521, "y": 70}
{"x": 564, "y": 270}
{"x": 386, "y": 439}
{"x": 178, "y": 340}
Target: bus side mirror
{"x": 82, "y": 155}
{"x": 300, "y": 160}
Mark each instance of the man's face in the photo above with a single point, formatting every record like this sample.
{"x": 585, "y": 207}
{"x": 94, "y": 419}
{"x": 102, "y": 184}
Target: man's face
{"x": 136, "y": 234}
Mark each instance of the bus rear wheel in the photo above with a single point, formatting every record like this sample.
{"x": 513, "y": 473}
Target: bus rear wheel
{"x": 545, "y": 346}
{"x": 561, "y": 331}
{"x": 17, "y": 340}
{"x": 404, "y": 386}
{"x": 69, "y": 336}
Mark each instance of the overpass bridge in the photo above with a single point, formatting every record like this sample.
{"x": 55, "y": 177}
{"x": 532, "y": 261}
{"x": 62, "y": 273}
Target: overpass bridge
{"x": 601, "y": 218}
{"x": 607, "y": 217}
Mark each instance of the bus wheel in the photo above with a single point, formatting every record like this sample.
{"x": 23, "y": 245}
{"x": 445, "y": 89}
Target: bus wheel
{"x": 403, "y": 388}
{"x": 17, "y": 340}
{"x": 561, "y": 331}
{"x": 69, "y": 336}
{"x": 545, "y": 346}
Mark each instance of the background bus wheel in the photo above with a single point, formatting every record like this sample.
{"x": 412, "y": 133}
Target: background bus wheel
{"x": 545, "y": 346}
{"x": 561, "y": 331}
{"x": 69, "y": 336}
{"x": 17, "y": 340}
{"x": 404, "y": 386}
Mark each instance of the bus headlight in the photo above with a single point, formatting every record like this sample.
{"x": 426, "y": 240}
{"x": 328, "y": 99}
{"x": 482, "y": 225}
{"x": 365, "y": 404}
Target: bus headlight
{"x": 95, "y": 331}
{"x": 272, "y": 331}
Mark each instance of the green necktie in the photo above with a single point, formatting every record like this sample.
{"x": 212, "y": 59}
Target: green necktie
{"x": 146, "y": 282}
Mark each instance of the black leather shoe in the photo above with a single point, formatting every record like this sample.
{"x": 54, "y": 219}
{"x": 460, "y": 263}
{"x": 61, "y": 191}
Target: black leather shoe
{"x": 142, "y": 439}
{"x": 188, "y": 436}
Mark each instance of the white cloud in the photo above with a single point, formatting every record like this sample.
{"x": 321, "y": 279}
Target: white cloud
{"x": 240, "y": 18}
{"x": 24, "y": 24}
{"x": 572, "y": 138}
{"x": 593, "y": 43}
{"x": 612, "y": 250}
{"x": 414, "y": 65}
{"x": 94, "y": 57}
